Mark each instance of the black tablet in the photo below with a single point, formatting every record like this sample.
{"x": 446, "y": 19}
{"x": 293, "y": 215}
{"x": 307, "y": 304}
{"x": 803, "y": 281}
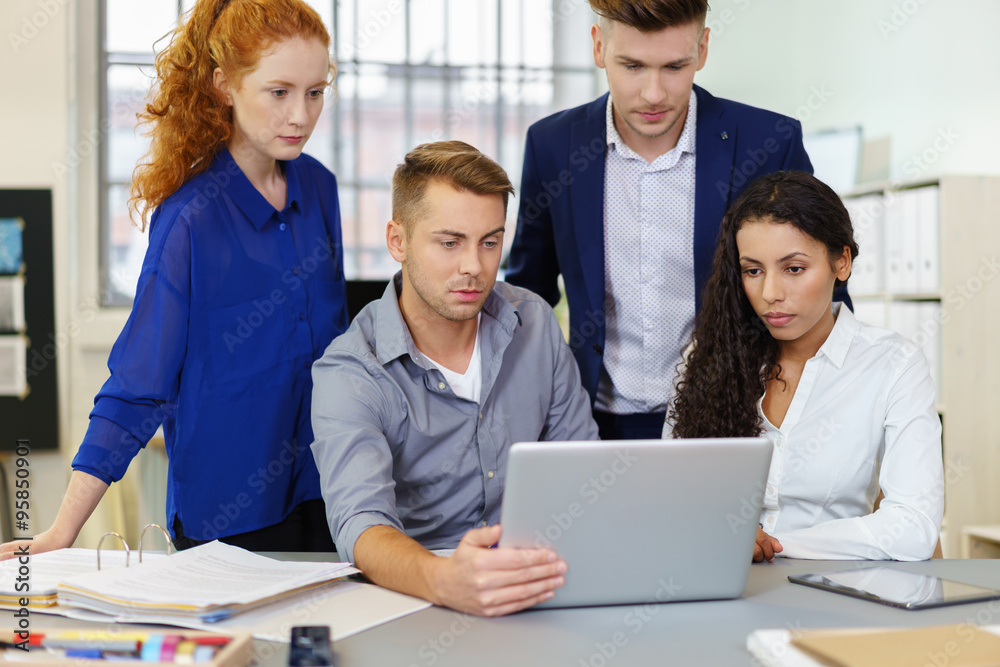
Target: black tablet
{"x": 896, "y": 588}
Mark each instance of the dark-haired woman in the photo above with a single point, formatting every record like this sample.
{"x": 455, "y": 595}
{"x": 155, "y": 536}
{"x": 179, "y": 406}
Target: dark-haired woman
{"x": 850, "y": 407}
{"x": 241, "y": 288}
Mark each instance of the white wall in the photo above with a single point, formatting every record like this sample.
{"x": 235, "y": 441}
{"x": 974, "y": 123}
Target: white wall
{"x": 33, "y": 72}
{"x": 916, "y": 70}
{"x": 50, "y": 118}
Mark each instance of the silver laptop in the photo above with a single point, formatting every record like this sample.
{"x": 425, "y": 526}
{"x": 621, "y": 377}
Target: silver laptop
{"x": 639, "y": 521}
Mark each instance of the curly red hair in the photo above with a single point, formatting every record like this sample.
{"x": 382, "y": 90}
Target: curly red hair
{"x": 188, "y": 117}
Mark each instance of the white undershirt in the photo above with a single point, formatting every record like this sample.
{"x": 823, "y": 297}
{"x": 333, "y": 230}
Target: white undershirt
{"x": 466, "y": 385}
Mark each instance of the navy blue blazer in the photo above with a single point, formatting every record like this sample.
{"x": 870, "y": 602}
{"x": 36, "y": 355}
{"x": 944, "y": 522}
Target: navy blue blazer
{"x": 560, "y": 226}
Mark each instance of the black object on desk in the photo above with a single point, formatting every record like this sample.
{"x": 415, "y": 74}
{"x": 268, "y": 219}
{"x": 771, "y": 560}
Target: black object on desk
{"x": 310, "y": 646}
{"x": 896, "y": 588}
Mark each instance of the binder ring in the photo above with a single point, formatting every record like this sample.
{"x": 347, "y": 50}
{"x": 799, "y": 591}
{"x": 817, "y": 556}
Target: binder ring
{"x": 120, "y": 538}
{"x": 170, "y": 542}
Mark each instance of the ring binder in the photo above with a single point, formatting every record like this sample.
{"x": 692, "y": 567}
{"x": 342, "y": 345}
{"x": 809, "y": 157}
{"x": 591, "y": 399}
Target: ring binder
{"x": 124, "y": 543}
{"x": 170, "y": 543}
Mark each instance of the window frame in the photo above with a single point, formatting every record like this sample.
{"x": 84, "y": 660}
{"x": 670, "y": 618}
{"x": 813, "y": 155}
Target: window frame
{"x": 350, "y": 181}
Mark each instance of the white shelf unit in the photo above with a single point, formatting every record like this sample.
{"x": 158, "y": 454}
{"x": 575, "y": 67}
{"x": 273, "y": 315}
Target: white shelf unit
{"x": 957, "y": 321}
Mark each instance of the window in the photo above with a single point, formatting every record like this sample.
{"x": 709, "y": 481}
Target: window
{"x": 409, "y": 72}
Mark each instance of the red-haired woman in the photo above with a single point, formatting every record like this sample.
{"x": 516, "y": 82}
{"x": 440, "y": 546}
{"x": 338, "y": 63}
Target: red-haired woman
{"x": 241, "y": 289}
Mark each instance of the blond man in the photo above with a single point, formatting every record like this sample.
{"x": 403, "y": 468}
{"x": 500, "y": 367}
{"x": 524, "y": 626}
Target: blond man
{"x": 417, "y": 404}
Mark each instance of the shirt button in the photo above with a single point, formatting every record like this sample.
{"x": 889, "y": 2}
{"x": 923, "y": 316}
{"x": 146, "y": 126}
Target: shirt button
{"x": 307, "y": 365}
{"x": 770, "y": 489}
{"x": 282, "y": 226}
{"x": 441, "y": 386}
{"x": 295, "y": 270}
{"x": 302, "y": 316}
{"x": 480, "y": 415}
{"x": 484, "y": 524}
{"x": 490, "y": 474}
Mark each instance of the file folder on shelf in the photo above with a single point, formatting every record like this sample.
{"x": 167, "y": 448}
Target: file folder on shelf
{"x": 868, "y": 219}
{"x": 893, "y": 244}
{"x": 928, "y": 221}
{"x": 909, "y": 228}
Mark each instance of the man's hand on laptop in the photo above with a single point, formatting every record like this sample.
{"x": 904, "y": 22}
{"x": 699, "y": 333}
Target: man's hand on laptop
{"x": 766, "y": 547}
{"x": 489, "y": 581}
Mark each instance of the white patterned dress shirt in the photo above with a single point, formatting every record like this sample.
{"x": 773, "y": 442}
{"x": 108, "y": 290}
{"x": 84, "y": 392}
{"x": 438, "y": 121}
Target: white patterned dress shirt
{"x": 648, "y": 270}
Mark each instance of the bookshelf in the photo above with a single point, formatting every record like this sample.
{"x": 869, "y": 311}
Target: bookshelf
{"x": 949, "y": 229}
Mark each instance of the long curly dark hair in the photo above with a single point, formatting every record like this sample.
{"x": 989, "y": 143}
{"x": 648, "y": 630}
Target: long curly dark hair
{"x": 735, "y": 356}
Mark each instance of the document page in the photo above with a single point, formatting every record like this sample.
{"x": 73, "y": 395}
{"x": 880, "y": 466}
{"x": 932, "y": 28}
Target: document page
{"x": 211, "y": 574}
{"x": 46, "y": 570}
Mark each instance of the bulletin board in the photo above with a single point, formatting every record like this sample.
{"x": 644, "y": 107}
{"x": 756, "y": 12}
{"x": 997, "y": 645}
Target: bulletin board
{"x": 29, "y": 344}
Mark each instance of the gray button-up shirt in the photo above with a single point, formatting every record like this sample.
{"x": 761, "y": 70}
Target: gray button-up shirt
{"x": 395, "y": 446}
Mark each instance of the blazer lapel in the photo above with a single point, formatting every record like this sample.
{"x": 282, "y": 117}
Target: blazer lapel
{"x": 716, "y": 153}
{"x": 587, "y": 197}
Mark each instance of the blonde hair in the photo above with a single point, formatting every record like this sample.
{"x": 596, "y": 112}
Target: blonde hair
{"x": 454, "y": 162}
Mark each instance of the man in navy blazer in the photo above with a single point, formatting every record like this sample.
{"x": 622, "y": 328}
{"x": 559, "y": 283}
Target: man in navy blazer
{"x": 658, "y": 168}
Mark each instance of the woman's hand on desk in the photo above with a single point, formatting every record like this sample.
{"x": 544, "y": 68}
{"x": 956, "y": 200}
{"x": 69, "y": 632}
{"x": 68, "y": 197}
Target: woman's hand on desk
{"x": 47, "y": 541}
{"x": 766, "y": 547}
{"x": 82, "y": 496}
{"x": 493, "y": 582}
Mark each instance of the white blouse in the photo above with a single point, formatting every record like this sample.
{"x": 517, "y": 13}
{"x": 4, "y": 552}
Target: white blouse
{"x": 863, "y": 417}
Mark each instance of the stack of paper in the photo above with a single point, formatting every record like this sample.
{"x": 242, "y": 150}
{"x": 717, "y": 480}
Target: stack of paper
{"x": 36, "y": 577}
{"x": 209, "y": 583}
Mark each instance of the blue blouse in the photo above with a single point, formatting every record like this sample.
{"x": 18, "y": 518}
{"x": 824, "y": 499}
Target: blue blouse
{"x": 235, "y": 301}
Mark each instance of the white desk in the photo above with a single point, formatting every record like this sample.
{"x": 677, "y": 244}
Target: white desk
{"x": 685, "y": 633}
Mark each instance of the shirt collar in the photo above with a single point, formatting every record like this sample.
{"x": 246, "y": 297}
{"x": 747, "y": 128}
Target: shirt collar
{"x": 393, "y": 336}
{"x": 686, "y": 143}
{"x": 246, "y": 197}
{"x": 838, "y": 343}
